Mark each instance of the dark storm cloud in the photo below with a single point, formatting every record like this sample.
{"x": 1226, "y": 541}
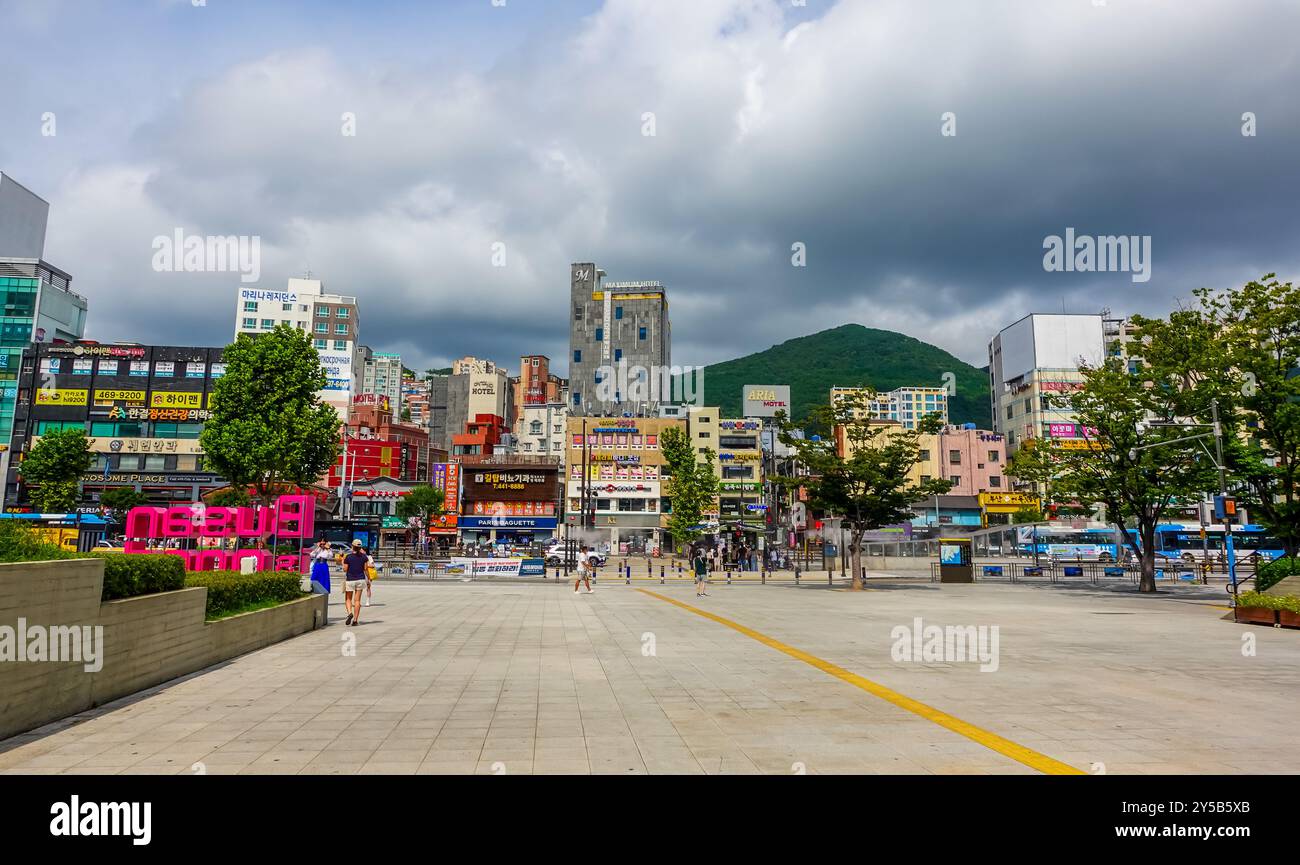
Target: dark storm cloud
{"x": 1116, "y": 119}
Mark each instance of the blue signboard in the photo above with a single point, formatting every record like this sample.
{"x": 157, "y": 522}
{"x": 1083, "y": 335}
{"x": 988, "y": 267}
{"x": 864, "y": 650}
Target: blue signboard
{"x": 500, "y": 522}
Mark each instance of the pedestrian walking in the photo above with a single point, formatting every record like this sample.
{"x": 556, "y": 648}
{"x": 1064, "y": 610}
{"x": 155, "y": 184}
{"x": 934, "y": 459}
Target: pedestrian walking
{"x": 584, "y": 570}
{"x": 701, "y": 565}
{"x": 354, "y": 582}
{"x": 320, "y": 566}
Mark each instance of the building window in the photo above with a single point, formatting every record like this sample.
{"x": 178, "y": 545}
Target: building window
{"x": 577, "y": 358}
{"x": 322, "y": 310}
{"x": 923, "y": 455}
{"x": 340, "y": 328}
{"x": 320, "y": 343}
{"x": 1028, "y": 402}
{"x": 954, "y": 457}
{"x": 618, "y": 312}
{"x": 925, "y": 478}
{"x": 618, "y": 354}
{"x": 577, "y": 313}
{"x": 993, "y": 456}
{"x": 341, "y": 312}
{"x": 268, "y": 323}
{"x": 995, "y": 481}
{"x": 322, "y": 327}
{"x": 641, "y": 332}
{"x": 108, "y": 367}
{"x": 535, "y": 428}
{"x": 340, "y": 344}
{"x": 600, "y": 334}
{"x": 577, "y": 397}
{"x": 956, "y": 480}
{"x": 286, "y": 307}
{"x": 1010, "y": 411}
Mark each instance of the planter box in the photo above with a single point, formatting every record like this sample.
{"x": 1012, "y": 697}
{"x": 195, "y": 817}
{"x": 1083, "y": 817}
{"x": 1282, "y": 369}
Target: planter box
{"x": 1255, "y": 615}
{"x": 1288, "y": 619}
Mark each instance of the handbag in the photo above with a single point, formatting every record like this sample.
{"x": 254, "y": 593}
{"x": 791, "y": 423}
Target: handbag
{"x": 371, "y": 573}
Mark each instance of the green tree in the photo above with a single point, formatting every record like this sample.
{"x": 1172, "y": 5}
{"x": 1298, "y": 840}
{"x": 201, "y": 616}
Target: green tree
{"x": 406, "y": 413}
{"x": 53, "y": 469}
{"x": 693, "y": 486}
{"x": 230, "y": 497}
{"x": 1139, "y": 473}
{"x": 1242, "y": 347}
{"x": 269, "y": 428}
{"x": 858, "y": 468}
{"x": 1028, "y": 514}
{"x": 424, "y": 503}
{"x": 120, "y": 500}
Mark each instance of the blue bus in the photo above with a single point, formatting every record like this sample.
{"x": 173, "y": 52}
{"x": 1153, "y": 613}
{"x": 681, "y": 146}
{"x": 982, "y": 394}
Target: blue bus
{"x": 1183, "y": 541}
{"x": 1062, "y": 542}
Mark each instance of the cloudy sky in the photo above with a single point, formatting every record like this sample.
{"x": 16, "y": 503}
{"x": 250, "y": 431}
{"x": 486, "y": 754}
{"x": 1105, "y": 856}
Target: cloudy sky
{"x": 526, "y": 124}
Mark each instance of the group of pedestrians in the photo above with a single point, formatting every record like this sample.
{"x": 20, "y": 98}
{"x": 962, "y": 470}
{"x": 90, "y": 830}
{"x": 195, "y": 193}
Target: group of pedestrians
{"x": 358, "y": 574}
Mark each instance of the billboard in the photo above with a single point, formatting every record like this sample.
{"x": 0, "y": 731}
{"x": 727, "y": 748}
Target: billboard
{"x": 764, "y": 400}
{"x": 530, "y": 484}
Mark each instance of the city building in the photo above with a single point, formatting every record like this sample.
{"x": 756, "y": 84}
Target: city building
{"x": 477, "y": 392}
{"x": 515, "y": 499}
{"x": 481, "y": 437}
{"x": 620, "y": 344}
{"x": 742, "y": 502}
{"x": 142, "y": 407}
{"x": 415, "y": 402}
{"x": 1037, "y": 357}
{"x": 535, "y": 386}
{"x": 40, "y": 306}
{"x": 907, "y": 405}
{"x": 625, "y": 500}
{"x": 331, "y": 319}
{"x": 382, "y": 375}
{"x": 540, "y": 429}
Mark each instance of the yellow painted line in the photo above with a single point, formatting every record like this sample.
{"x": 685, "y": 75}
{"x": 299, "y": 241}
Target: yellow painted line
{"x": 992, "y": 741}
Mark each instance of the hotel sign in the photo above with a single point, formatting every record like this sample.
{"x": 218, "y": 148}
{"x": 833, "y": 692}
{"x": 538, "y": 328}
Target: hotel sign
{"x": 765, "y": 400}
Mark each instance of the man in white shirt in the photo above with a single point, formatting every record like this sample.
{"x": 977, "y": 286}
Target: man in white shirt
{"x": 584, "y": 570}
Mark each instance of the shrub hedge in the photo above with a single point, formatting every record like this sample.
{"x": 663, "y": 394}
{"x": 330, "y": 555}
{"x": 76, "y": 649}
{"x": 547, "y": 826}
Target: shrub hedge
{"x": 1269, "y": 602}
{"x": 1269, "y": 575}
{"x": 126, "y": 576}
{"x": 231, "y": 591}
{"x": 20, "y": 543}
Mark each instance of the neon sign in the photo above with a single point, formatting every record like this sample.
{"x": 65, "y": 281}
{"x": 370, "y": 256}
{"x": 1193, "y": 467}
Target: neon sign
{"x": 290, "y": 517}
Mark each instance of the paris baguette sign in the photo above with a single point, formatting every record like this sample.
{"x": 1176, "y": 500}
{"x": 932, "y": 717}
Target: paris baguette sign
{"x": 290, "y": 518}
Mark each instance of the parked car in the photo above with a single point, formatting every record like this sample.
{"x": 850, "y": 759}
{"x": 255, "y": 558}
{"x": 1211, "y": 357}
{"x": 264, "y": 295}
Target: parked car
{"x": 556, "y": 558}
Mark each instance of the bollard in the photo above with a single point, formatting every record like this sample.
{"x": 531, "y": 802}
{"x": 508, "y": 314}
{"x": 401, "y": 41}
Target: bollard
{"x": 649, "y": 568}
{"x": 557, "y": 573}
{"x": 765, "y": 578}
{"x": 679, "y": 569}
{"x": 830, "y": 580}
{"x": 796, "y": 576}
{"x": 628, "y": 581}
{"x": 728, "y": 576}
{"x": 661, "y": 575}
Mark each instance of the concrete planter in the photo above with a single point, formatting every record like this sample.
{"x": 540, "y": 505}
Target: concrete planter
{"x": 146, "y": 640}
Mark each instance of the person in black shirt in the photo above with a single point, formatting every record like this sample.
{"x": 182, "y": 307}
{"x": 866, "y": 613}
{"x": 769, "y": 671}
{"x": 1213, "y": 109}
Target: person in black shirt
{"x": 354, "y": 582}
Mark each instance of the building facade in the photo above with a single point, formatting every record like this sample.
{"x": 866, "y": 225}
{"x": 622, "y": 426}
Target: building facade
{"x": 620, "y": 344}
{"x": 40, "y": 306}
{"x": 382, "y": 375}
{"x": 906, "y": 405}
{"x": 332, "y": 320}
{"x": 142, "y": 407}
{"x": 541, "y": 428}
{"x": 1033, "y": 359}
{"x": 513, "y": 499}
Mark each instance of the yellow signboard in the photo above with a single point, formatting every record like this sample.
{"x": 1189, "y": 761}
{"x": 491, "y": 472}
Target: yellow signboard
{"x": 54, "y": 396}
{"x": 1076, "y": 445}
{"x": 112, "y": 395}
{"x": 176, "y": 399}
{"x": 1008, "y": 500}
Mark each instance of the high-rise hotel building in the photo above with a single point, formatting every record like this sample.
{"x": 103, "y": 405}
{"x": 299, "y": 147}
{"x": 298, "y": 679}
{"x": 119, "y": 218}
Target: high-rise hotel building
{"x": 620, "y": 344}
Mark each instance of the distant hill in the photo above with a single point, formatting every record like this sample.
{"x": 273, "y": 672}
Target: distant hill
{"x": 849, "y": 356}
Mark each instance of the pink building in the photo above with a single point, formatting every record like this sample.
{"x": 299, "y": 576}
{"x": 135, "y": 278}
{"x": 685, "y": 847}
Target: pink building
{"x": 973, "y": 459}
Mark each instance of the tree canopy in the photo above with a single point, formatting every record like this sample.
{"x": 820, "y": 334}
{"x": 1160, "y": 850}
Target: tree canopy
{"x": 269, "y": 429}
{"x": 693, "y": 488}
{"x": 53, "y": 468}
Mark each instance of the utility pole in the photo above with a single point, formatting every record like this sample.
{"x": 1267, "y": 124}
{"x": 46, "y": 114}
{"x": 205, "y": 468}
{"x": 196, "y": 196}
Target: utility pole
{"x": 1223, "y": 492}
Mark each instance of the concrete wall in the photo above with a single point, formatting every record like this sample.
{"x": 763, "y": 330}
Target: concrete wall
{"x": 147, "y": 640}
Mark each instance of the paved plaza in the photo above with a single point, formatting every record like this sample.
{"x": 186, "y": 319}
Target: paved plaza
{"x": 531, "y": 678}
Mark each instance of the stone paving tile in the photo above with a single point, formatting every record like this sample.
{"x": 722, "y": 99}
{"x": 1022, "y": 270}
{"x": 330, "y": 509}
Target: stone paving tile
{"x": 458, "y": 678}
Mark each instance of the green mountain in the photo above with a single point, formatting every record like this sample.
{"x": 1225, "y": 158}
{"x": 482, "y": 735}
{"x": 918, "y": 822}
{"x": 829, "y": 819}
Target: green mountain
{"x": 849, "y": 356}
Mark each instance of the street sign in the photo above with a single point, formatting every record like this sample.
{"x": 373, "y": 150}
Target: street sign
{"x": 755, "y": 507}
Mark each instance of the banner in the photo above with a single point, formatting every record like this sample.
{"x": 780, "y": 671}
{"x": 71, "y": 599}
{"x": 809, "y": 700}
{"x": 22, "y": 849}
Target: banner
{"x": 176, "y": 399}
{"x": 496, "y": 567}
{"x": 52, "y": 396}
